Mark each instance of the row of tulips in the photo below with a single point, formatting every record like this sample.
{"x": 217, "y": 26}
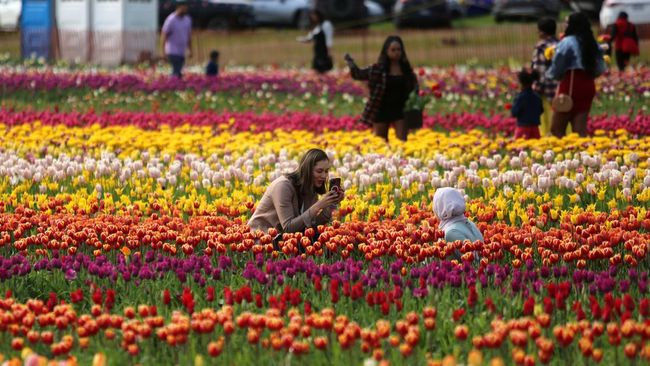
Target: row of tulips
{"x": 284, "y": 321}
{"x": 193, "y": 171}
{"x": 247, "y": 121}
{"x": 240, "y": 82}
{"x": 261, "y": 101}
{"x": 585, "y": 240}
{"x": 370, "y": 282}
{"x": 484, "y": 83}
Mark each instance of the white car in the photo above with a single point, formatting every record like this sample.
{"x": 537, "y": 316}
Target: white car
{"x": 282, "y": 12}
{"x": 10, "y": 14}
{"x": 638, "y": 11}
{"x": 295, "y": 12}
{"x": 374, "y": 9}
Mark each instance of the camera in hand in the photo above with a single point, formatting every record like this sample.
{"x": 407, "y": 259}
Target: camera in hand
{"x": 335, "y": 185}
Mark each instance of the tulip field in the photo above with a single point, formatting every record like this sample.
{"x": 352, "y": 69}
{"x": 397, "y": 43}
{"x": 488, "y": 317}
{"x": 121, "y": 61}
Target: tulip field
{"x": 124, "y": 198}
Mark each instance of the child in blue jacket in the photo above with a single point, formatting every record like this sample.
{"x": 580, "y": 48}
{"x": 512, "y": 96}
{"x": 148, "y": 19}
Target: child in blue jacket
{"x": 527, "y": 107}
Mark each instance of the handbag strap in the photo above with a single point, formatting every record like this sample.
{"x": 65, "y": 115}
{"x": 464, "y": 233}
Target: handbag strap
{"x": 557, "y": 90}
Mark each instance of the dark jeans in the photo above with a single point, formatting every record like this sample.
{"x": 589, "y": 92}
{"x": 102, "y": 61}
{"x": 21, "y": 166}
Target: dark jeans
{"x": 177, "y": 63}
{"x": 622, "y": 59}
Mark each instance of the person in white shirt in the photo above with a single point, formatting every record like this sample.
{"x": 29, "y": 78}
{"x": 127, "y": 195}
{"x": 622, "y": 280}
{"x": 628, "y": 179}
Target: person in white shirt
{"x": 322, "y": 35}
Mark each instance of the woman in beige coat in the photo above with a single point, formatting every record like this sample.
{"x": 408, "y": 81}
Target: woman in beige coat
{"x": 291, "y": 203}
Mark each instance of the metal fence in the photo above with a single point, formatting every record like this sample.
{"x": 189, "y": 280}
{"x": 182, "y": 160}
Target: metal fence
{"x": 263, "y": 47}
{"x": 508, "y": 42}
{"x": 423, "y": 47}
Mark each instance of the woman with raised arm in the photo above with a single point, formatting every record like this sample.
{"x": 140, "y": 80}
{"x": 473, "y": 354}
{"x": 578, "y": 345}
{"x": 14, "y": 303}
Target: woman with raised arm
{"x": 390, "y": 82}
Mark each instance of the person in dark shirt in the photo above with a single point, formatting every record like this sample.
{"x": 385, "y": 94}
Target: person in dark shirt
{"x": 322, "y": 35}
{"x": 527, "y": 107}
{"x": 545, "y": 87}
{"x": 212, "y": 69}
{"x": 390, "y": 81}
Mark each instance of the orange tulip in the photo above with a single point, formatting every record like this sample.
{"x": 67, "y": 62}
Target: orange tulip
{"x": 630, "y": 350}
{"x": 320, "y": 342}
{"x": 17, "y": 343}
{"x": 461, "y": 332}
{"x": 215, "y": 348}
{"x": 597, "y": 354}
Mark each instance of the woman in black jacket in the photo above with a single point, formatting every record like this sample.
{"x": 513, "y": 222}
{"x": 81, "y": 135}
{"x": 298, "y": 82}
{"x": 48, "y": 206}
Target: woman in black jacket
{"x": 390, "y": 81}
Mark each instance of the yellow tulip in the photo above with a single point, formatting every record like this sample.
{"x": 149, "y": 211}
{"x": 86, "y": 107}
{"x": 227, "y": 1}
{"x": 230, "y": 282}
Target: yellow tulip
{"x": 612, "y": 204}
{"x": 25, "y": 352}
{"x": 513, "y": 217}
{"x": 99, "y": 359}
{"x": 608, "y": 60}
{"x": 549, "y": 52}
{"x": 198, "y": 360}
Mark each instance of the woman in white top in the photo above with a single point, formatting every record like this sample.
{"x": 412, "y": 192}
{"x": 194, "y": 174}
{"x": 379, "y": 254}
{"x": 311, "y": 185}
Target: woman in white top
{"x": 322, "y": 35}
{"x": 449, "y": 207}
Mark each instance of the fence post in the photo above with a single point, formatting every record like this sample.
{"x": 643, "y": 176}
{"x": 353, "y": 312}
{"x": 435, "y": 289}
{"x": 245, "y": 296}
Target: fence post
{"x": 364, "y": 46}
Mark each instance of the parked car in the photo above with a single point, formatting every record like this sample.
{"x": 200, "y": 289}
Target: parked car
{"x": 637, "y": 10}
{"x": 387, "y": 5}
{"x": 374, "y": 9}
{"x": 295, "y": 13}
{"x": 525, "y": 9}
{"x": 10, "y": 14}
{"x": 213, "y": 14}
{"x": 422, "y": 14}
{"x": 347, "y": 11}
{"x": 282, "y": 12}
{"x": 478, "y": 7}
{"x": 590, "y": 7}
{"x": 456, "y": 9}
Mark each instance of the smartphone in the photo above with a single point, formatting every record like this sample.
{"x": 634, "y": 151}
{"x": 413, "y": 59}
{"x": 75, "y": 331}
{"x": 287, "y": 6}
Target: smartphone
{"x": 335, "y": 184}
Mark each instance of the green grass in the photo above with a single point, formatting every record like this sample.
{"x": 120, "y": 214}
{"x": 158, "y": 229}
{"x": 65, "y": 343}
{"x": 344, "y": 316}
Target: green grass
{"x": 83, "y": 100}
{"x": 10, "y": 43}
{"x": 474, "y": 22}
{"x": 475, "y": 40}
{"x": 488, "y": 21}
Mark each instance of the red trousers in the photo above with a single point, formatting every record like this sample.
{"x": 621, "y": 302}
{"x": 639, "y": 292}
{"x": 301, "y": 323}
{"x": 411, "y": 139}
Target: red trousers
{"x": 527, "y": 132}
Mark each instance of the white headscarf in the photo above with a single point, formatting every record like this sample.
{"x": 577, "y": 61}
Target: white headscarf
{"x": 449, "y": 206}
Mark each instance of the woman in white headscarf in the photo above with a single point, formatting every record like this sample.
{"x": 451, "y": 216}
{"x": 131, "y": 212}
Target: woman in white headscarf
{"x": 449, "y": 207}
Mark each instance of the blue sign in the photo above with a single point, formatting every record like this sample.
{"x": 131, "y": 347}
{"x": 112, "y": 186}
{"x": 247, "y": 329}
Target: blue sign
{"x": 36, "y": 24}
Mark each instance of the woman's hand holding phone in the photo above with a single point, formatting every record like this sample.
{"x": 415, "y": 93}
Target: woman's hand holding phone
{"x": 341, "y": 195}
{"x": 330, "y": 198}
